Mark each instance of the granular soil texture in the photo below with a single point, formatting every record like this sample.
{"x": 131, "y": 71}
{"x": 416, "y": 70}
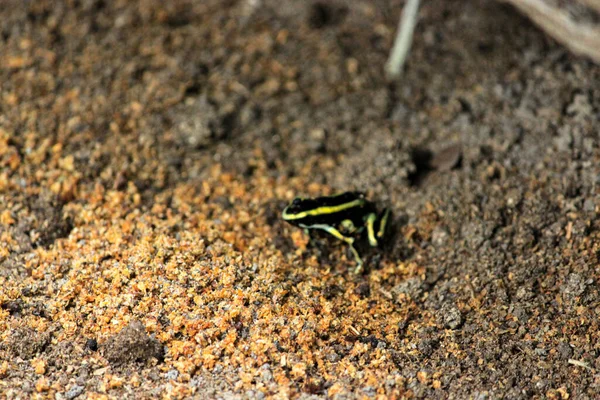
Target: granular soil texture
{"x": 147, "y": 149}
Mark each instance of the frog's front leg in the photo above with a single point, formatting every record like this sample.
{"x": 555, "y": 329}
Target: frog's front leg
{"x": 376, "y": 226}
{"x": 311, "y": 239}
{"x": 338, "y": 235}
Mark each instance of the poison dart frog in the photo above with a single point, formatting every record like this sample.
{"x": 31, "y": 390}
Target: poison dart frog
{"x": 347, "y": 216}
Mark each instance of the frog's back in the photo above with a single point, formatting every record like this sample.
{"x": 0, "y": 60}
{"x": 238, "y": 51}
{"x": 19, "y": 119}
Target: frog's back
{"x": 328, "y": 210}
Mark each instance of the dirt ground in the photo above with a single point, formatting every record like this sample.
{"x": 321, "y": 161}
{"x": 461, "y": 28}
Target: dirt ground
{"x": 147, "y": 149}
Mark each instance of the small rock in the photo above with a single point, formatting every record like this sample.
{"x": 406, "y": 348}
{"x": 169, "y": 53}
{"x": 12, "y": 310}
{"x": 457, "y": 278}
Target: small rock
{"x": 265, "y": 373}
{"x": 197, "y": 123}
{"x": 369, "y": 391}
{"x": 451, "y": 317}
{"x": 564, "y": 140}
{"x": 447, "y": 158}
{"x": 541, "y": 384}
{"x": 439, "y": 236}
{"x": 75, "y": 391}
{"x": 524, "y": 293}
{"x": 172, "y": 374}
{"x": 13, "y": 307}
{"x": 521, "y": 314}
{"x": 132, "y": 344}
{"x": 565, "y": 350}
{"x": 317, "y": 139}
{"x": 575, "y": 285}
{"x": 481, "y": 396}
{"x": 589, "y": 205}
{"x": 580, "y": 106}
{"x": 332, "y": 356}
{"x": 410, "y": 287}
{"x": 363, "y": 290}
{"x": 91, "y": 344}
{"x": 27, "y": 343}
{"x": 427, "y": 346}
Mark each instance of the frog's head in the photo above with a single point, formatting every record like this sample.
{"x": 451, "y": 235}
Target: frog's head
{"x": 298, "y": 207}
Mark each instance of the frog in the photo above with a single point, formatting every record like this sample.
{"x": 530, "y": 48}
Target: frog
{"x": 347, "y": 216}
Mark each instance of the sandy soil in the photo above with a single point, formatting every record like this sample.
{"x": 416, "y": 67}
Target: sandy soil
{"x": 147, "y": 150}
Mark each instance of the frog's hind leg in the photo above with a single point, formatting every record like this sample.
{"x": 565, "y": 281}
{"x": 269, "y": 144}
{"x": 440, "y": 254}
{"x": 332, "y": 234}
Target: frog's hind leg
{"x": 338, "y": 235}
{"x": 383, "y": 223}
{"x": 370, "y": 221}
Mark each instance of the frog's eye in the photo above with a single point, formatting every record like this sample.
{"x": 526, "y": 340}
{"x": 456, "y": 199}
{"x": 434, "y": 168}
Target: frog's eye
{"x": 296, "y": 201}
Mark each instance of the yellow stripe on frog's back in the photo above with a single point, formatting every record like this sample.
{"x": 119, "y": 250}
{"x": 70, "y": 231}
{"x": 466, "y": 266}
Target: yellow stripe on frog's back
{"x": 324, "y": 210}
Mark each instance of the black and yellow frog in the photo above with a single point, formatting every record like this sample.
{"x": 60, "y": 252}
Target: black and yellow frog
{"x": 347, "y": 216}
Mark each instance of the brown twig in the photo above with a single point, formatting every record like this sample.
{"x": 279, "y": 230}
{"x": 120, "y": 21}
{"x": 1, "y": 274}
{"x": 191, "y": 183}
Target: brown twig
{"x": 581, "y": 38}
